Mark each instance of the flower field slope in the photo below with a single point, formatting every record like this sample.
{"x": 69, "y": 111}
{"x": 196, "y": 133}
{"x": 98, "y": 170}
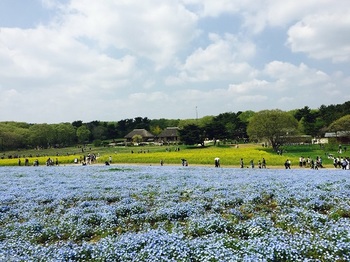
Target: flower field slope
{"x": 229, "y": 156}
{"x": 154, "y": 213}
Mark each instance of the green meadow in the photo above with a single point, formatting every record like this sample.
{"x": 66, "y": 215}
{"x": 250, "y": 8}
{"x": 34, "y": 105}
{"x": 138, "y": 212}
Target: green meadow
{"x": 229, "y": 155}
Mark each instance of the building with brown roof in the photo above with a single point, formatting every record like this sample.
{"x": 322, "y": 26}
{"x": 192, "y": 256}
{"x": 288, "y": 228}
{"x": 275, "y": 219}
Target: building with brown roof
{"x": 169, "y": 135}
{"x": 146, "y": 135}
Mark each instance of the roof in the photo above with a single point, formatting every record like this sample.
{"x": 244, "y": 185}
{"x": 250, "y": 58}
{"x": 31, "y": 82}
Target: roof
{"x": 142, "y": 132}
{"x": 170, "y": 132}
{"x": 337, "y": 134}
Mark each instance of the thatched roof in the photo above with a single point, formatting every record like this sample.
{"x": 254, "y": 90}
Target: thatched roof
{"x": 170, "y": 132}
{"x": 142, "y": 132}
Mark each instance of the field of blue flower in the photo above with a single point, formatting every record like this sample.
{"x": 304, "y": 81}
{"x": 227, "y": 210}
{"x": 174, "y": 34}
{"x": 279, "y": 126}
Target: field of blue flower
{"x": 154, "y": 213}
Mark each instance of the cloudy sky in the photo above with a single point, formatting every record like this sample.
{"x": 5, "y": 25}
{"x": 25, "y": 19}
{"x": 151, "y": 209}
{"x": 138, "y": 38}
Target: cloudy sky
{"x": 67, "y": 60}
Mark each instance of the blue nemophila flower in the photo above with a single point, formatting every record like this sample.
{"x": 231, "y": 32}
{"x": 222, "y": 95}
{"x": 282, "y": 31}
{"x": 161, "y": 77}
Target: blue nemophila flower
{"x": 173, "y": 214}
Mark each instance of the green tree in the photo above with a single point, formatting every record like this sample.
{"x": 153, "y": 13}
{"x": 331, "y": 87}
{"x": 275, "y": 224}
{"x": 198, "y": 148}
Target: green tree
{"x": 227, "y": 125}
{"x": 140, "y": 122}
{"x": 111, "y": 131}
{"x": 99, "y": 132}
{"x": 192, "y": 134}
{"x": 13, "y": 136}
{"x": 273, "y": 126}
{"x": 310, "y": 122}
{"x": 215, "y": 130}
{"x": 127, "y": 125}
{"x": 42, "y": 135}
{"x": 164, "y": 123}
{"x": 156, "y": 130}
{"x": 331, "y": 113}
{"x": 65, "y": 134}
{"x": 200, "y": 122}
{"x": 137, "y": 138}
{"x": 77, "y": 123}
{"x": 83, "y": 134}
{"x": 341, "y": 125}
{"x": 246, "y": 115}
{"x": 122, "y": 128}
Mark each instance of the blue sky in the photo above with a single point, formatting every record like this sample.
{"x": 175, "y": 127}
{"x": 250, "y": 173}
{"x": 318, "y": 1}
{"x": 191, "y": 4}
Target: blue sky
{"x": 62, "y": 61}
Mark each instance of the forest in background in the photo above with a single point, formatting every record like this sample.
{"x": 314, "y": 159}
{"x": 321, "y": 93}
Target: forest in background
{"x": 229, "y": 125}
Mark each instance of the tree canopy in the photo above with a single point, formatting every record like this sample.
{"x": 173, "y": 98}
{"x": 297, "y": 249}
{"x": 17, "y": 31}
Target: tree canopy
{"x": 192, "y": 134}
{"x": 273, "y": 126}
{"x": 229, "y": 125}
{"x": 342, "y": 124}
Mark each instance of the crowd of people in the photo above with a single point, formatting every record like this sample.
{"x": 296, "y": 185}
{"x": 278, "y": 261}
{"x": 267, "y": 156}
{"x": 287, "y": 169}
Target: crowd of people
{"x": 308, "y": 162}
{"x": 86, "y": 160}
{"x": 261, "y": 163}
{"x": 341, "y": 162}
{"x": 304, "y": 162}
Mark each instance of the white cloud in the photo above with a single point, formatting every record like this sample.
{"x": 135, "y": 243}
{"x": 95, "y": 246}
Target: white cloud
{"x": 52, "y": 59}
{"x": 252, "y": 99}
{"x": 249, "y": 87}
{"x": 52, "y": 4}
{"x": 148, "y": 97}
{"x": 260, "y": 14}
{"x": 300, "y": 75}
{"x": 223, "y": 59}
{"x": 215, "y": 8}
{"x": 322, "y": 36}
{"x": 156, "y": 30}
{"x": 162, "y": 58}
{"x": 284, "y": 85}
{"x": 257, "y": 15}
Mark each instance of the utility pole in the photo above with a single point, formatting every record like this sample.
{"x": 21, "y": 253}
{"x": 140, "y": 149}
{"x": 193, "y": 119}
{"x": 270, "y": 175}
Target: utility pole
{"x": 196, "y": 113}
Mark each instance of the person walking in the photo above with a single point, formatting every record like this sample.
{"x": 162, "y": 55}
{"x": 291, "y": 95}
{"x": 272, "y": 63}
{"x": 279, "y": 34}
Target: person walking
{"x": 287, "y": 164}
{"x": 252, "y": 163}
{"x": 217, "y": 162}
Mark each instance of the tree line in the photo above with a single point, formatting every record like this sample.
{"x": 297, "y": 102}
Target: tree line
{"x": 239, "y": 126}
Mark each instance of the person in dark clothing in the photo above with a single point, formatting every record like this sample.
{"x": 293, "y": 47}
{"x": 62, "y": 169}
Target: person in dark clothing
{"x": 287, "y": 164}
{"x": 217, "y": 162}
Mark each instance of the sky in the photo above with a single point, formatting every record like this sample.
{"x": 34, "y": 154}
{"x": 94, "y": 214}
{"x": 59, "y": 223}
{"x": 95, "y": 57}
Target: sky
{"x": 108, "y": 60}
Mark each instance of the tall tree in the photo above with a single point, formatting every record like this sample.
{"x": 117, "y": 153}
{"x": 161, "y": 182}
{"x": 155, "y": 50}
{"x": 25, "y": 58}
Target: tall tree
{"x": 273, "y": 126}
{"x": 111, "y": 131}
{"x": 303, "y": 112}
{"x": 143, "y": 123}
{"x": 42, "y": 135}
{"x": 77, "y": 123}
{"x": 246, "y": 115}
{"x": 13, "y": 135}
{"x": 310, "y": 122}
{"x": 65, "y": 134}
{"x": 83, "y": 134}
{"x": 156, "y": 130}
{"x": 341, "y": 125}
{"x": 192, "y": 134}
{"x": 200, "y": 122}
{"x": 164, "y": 123}
{"x": 215, "y": 130}
{"x": 99, "y": 132}
{"x": 229, "y": 125}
